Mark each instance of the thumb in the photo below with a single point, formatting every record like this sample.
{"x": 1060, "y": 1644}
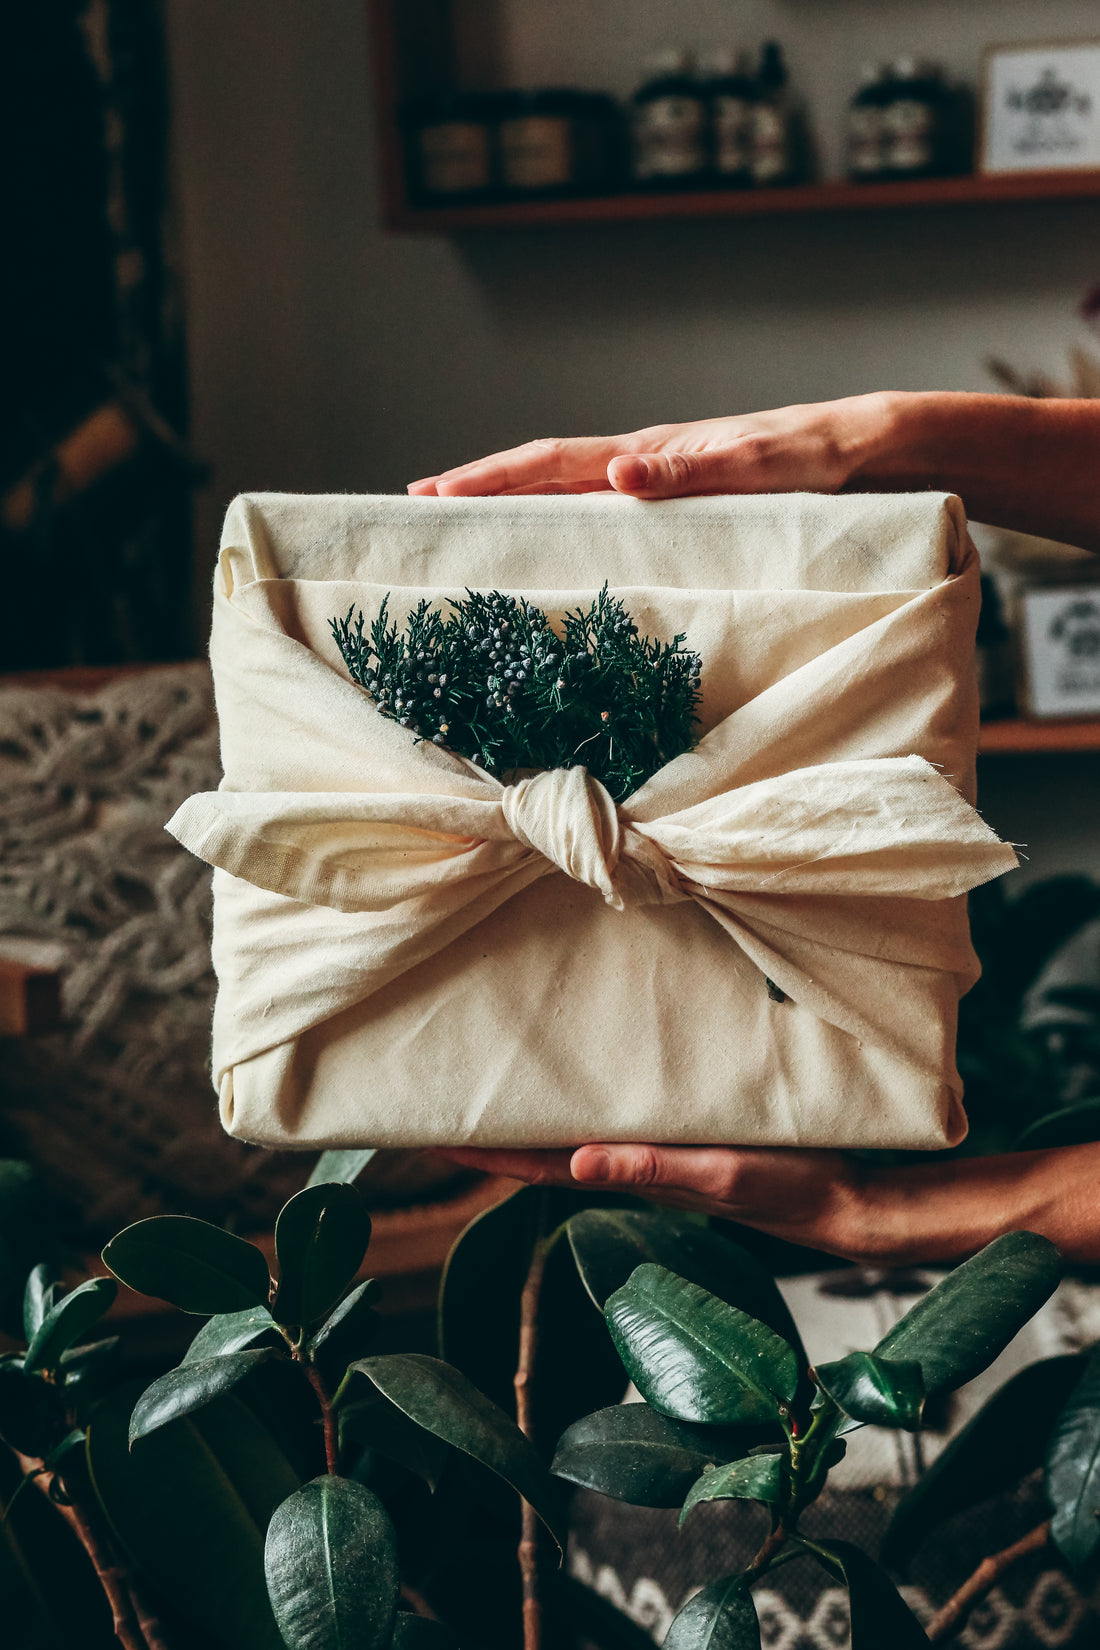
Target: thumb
{"x": 669, "y": 475}
{"x": 704, "y": 1170}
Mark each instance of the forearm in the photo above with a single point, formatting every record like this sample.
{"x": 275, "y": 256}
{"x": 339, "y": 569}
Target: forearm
{"x": 1032, "y": 466}
{"x": 945, "y": 1211}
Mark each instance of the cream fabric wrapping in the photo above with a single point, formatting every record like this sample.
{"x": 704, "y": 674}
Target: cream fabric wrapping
{"x": 409, "y": 952}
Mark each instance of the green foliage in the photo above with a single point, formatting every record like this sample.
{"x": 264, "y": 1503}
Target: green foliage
{"x": 232, "y": 1332}
{"x": 347, "y": 1331}
{"x": 442, "y": 1401}
{"x": 38, "y": 1298}
{"x": 999, "y": 1446}
{"x": 958, "y": 1328}
{"x": 694, "y": 1357}
{"x": 756, "y": 1478}
{"x": 191, "y": 1386}
{"x": 1077, "y": 1125}
{"x": 190, "y": 1508}
{"x": 479, "y": 1310}
{"x": 719, "y": 1617}
{"x": 608, "y": 1244}
{"x": 66, "y": 1322}
{"x": 321, "y": 1237}
{"x": 880, "y": 1616}
{"x": 190, "y": 1264}
{"x": 493, "y": 681}
{"x": 331, "y": 1566}
{"x": 880, "y": 1391}
{"x": 227, "y": 1446}
{"x": 372, "y": 1424}
{"x": 1073, "y": 1472}
{"x": 341, "y": 1165}
{"x": 633, "y": 1453}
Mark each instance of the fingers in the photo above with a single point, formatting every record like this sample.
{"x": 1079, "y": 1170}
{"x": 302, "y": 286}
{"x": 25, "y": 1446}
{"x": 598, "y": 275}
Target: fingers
{"x": 543, "y": 464}
{"x": 735, "y": 467}
{"x": 540, "y": 1168}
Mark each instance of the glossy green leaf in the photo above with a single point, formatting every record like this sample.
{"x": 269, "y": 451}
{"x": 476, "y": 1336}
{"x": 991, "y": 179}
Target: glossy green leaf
{"x": 39, "y": 1297}
{"x": 758, "y": 1478}
{"x": 608, "y": 1244}
{"x": 65, "y": 1323}
{"x": 634, "y": 1454}
{"x": 191, "y": 1508}
{"x": 720, "y": 1617}
{"x": 232, "y": 1332}
{"x": 881, "y": 1619}
{"x": 1001, "y": 1444}
{"x": 348, "y": 1331}
{"x": 190, "y": 1264}
{"x": 341, "y": 1165}
{"x": 479, "y": 1311}
{"x": 960, "y": 1326}
{"x": 321, "y": 1237}
{"x": 419, "y": 1633}
{"x": 444, "y": 1402}
{"x": 1072, "y": 1474}
{"x": 31, "y": 1414}
{"x": 694, "y": 1357}
{"x": 331, "y": 1565}
{"x": 189, "y": 1387}
{"x": 377, "y": 1425}
{"x": 879, "y": 1391}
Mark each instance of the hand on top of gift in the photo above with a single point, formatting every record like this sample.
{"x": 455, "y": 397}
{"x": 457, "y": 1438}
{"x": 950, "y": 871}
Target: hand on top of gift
{"x": 888, "y": 1216}
{"x": 814, "y": 448}
{"x": 1024, "y": 464}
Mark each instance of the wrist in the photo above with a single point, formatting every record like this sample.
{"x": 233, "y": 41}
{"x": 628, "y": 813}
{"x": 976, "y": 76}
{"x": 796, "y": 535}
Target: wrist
{"x": 882, "y": 435}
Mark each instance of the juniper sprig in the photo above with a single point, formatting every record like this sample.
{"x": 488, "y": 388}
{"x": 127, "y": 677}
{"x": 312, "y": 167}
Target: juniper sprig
{"x": 493, "y": 681}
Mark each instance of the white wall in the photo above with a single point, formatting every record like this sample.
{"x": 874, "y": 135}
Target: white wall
{"x": 327, "y": 355}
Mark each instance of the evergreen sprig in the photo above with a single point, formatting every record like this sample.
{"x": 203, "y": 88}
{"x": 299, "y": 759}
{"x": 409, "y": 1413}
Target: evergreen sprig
{"x": 493, "y": 681}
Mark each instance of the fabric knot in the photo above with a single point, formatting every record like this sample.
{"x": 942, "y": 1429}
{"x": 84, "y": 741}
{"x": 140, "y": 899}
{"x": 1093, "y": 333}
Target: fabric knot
{"x": 571, "y": 819}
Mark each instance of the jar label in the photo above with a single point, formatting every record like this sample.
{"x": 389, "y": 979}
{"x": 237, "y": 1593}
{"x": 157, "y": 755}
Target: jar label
{"x": 536, "y": 152}
{"x": 454, "y": 157}
{"x": 670, "y": 137}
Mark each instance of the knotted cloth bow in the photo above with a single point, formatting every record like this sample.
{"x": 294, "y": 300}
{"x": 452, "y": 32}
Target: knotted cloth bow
{"x": 883, "y": 826}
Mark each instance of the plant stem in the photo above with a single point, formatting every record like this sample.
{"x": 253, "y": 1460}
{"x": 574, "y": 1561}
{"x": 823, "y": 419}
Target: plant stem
{"x": 328, "y": 1418}
{"x": 525, "y": 1369}
{"x": 950, "y": 1620}
{"x": 768, "y": 1550}
{"x": 113, "y": 1577}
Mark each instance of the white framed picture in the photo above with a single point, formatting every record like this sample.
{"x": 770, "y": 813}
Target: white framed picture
{"x": 1060, "y": 637}
{"x": 1041, "y": 107}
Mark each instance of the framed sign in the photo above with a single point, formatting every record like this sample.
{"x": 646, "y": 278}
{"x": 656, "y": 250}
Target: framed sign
{"x": 1041, "y": 107}
{"x": 1060, "y": 636}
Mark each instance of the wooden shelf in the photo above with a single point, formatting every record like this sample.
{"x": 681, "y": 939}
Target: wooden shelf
{"x": 748, "y": 203}
{"x": 1019, "y": 737}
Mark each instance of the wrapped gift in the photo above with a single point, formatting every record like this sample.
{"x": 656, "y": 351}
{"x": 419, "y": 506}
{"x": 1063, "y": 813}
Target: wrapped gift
{"x": 764, "y": 944}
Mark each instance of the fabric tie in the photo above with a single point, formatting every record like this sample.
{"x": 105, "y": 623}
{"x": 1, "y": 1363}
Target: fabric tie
{"x": 571, "y": 819}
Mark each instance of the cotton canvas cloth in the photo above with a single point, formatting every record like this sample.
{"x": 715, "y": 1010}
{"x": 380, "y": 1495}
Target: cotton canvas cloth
{"x": 765, "y": 944}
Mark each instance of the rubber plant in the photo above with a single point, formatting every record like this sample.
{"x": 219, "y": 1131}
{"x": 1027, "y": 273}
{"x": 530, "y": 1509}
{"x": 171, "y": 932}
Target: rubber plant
{"x": 195, "y": 1496}
{"x": 732, "y": 1410}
